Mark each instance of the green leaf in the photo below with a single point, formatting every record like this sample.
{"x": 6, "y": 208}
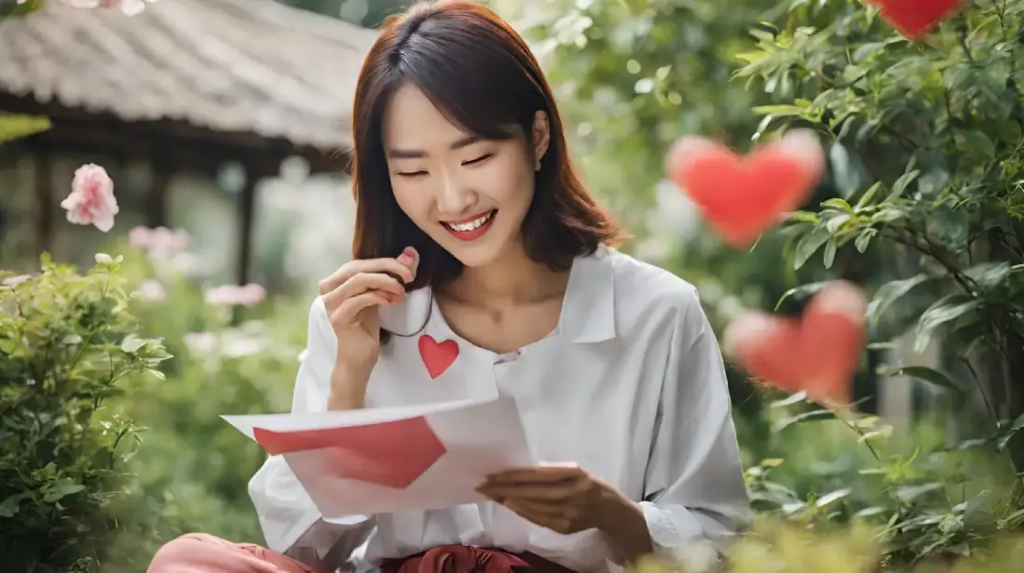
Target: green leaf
{"x": 830, "y": 253}
{"x": 1008, "y": 434}
{"x": 9, "y": 507}
{"x": 908, "y": 493}
{"x": 796, "y": 398}
{"x": 131, "y": 344}
{"x": 942, "y": 311}
{"x": 60, "y": 489}
{"x": 925, "y": 373}
{"x": 891, "y": 292}
{"x": 838, "y": 204}
{"x": 809, "y": 244}
{"x": 975, "y": 142}
{"x": 19, "y": 126}
{"x": 901, "y": 185}
{"x": 990, "y": 274}
{"x": 836, "y": 222}
{"x": 868, "y": 196}
{"x": 864, "y": 239}
{"x": 801, "y": 291}
{"x": 812, "y": 416}
{"x": 803, "y": 217}
{"x": 832, "y": 497}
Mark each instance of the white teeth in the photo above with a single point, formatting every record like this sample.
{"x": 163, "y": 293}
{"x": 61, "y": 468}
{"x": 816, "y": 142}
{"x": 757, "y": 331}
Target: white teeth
{"x": 466, "y": 227}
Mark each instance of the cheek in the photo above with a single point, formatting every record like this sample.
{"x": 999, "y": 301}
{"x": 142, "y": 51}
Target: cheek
{"x": 509, "y": 181}
{"x": 415, "y": 203}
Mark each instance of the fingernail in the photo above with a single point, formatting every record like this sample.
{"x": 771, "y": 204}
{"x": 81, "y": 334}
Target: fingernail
{"x": 405, "y": 258}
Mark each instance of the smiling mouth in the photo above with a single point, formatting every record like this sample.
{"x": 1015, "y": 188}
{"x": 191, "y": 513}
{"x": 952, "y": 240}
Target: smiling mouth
{"x": 469, "y": 230}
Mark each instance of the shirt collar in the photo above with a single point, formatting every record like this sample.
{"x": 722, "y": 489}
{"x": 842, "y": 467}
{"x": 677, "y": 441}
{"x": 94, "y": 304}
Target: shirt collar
{"x": 588, "y": 311}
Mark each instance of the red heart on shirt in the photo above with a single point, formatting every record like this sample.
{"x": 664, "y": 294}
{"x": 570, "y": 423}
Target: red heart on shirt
{"x": 739, "y": 196}
{"x": 437, "y": 357}
{"x": 914, "y": 18}
{"x": 817, "y": 354}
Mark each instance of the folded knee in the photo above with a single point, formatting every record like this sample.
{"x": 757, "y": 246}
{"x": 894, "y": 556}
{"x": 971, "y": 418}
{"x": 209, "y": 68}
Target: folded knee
{"x": 185, "y": 553}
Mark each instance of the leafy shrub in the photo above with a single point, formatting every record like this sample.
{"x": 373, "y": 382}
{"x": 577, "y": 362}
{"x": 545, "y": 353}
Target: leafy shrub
{"x": 67, "y": 342}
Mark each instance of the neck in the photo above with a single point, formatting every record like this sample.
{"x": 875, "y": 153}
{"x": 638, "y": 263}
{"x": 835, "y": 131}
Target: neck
{"x": 512, "y": 278}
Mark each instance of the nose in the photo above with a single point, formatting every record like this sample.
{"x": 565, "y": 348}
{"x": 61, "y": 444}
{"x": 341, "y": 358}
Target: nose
{"x": 454, "y": 198}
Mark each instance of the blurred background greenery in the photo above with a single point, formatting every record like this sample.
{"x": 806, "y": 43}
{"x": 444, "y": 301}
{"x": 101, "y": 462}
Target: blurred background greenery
{"x": 923, "y": 142}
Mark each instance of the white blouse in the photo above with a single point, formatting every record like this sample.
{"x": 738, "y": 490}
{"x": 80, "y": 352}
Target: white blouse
{"x": 630, "y": 385}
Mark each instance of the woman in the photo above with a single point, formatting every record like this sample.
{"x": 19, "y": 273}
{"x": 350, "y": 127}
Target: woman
{"x": 472, "y": 226}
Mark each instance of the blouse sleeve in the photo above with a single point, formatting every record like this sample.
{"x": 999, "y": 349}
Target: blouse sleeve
{"x": 694, "y": 490}
{"x": 290, "y": 521}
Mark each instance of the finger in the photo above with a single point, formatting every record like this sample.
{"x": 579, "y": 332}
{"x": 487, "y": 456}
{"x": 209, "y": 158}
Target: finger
{"x": 410, "y": 257}
{"x": 545, "y": 493}
{"x": 543, "y": 519}
{"x": 537, "y": 474}
{"x": 361, "y": 283}
{"x": 352, "y": 268}
{"x": 347, "y": 312}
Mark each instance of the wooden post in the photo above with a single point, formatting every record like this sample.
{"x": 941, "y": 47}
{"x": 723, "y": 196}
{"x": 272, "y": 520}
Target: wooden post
{"x": 246, "y": 212}
{"x": 43, "y": 206}
{"x": 156, "y": 199}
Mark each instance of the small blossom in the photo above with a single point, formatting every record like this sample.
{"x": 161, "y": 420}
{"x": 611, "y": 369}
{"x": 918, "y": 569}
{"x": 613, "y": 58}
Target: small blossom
{"x": 128, "y": 7}
{"x": 15, "y": 281}
{"x": 92, "y": 200}
{"x": 200, "y": 342}
{"x": 165, "y": 240}
{"x": 159, "y": 239}
{"x": 140, "y": 237}
{"x": 104, "y": 259}
{"x": 152, "y": 291}
{"x": 231, "y": 295}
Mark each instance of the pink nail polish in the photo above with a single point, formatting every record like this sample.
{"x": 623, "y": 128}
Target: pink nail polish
{"x": 405, "y": 259}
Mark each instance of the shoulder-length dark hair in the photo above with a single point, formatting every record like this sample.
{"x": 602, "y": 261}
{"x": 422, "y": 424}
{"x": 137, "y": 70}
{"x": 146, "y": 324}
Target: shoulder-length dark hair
{"x": 482, "y": 76}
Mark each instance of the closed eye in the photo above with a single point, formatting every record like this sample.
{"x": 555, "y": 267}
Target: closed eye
{"x": 480, "y": 159}
{"x": 411, "y": 173}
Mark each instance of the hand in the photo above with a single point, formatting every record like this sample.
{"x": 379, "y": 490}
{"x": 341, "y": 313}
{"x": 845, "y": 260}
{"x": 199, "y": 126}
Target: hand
{"x": 352, "y": 296}
{"x": 566, "y": 499}
{"x": 562, "y": 497}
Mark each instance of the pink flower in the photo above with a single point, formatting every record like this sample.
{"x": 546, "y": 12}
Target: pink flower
{"x": 92, "y": 200}
{"x": 231, "y": 295}
{"x": 159, "y": 239}
{"x": 139, "y": 237}
{"x": 152, "y": 291}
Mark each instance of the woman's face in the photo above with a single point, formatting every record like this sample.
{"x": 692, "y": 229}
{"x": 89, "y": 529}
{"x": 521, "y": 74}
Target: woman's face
{"x": 468, "y": 194}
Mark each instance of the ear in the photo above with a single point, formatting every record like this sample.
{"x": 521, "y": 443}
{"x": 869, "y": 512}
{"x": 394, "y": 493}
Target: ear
{"x": 540, "y": 136}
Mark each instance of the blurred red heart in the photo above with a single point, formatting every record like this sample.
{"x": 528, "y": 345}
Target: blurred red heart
{"x": 817, "y": 354}
{"x": 741, "y": 197}
{"x": 914, "y": 18}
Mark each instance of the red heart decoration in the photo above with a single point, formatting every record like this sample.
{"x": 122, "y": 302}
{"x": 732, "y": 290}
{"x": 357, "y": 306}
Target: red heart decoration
{"x": 914, "y": 18}
{"x": 743, "y": 196}
{"x": 437, "y": 357}
{"x": 818, "y": 354}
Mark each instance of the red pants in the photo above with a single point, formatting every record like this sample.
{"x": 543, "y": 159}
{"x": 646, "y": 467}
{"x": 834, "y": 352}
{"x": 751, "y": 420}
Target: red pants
{"x": 201, "y": 553}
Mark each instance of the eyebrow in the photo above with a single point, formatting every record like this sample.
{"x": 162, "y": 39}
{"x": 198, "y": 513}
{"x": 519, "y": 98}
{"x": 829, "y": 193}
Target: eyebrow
{"x": 418, "y": 154}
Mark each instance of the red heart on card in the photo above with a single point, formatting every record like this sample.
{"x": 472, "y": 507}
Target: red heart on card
{"x": 437, "y": 357}
{"x": 393, "y": 454}
{"x": 740, "y": 196}
{"x": 915, "y": 18}
{"x": 817, "y": 354}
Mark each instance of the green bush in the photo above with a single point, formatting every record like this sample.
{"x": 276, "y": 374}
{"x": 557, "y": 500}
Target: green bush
{"x": 67, "y": 342}
{"x": 927, "y": 149}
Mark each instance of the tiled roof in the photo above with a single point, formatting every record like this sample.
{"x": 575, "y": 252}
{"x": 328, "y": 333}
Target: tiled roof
{"x": 251, "y": 66}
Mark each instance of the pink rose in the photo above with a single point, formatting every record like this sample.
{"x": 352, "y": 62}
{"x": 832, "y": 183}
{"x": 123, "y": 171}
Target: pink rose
{"x": 92, "y": 200}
